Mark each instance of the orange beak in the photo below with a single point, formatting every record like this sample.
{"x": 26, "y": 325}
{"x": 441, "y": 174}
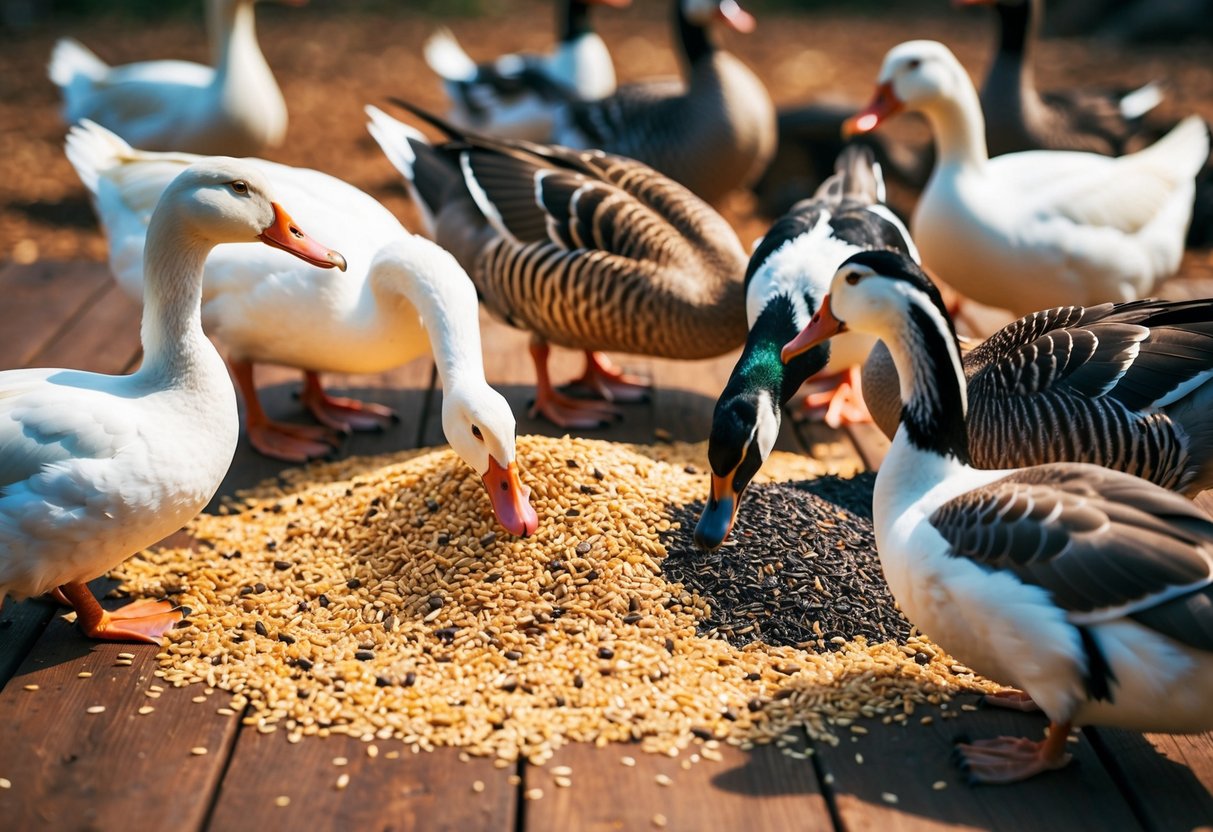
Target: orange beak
{"x": 884, "y": 105}
{"x": 823, "y": 326}
{"x": 735, "y": 17}
{"x": 510, "y": 499}
{"x": 719, "y": 514}
{"x": 284, "y": 234}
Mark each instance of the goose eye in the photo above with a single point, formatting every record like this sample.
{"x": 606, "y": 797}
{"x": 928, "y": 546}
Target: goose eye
{"x": 240, "y": 186}
{"x": 476, "y": 432}
{"x": 915, "y": 63}
{"x": 852, "y": 278}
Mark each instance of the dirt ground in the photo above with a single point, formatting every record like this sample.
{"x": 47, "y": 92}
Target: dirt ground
{"x": 331, "y": 61}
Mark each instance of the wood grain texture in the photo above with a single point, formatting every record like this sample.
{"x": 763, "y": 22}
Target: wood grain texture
{"x": 893, "y": 788}
{"x": 102, "y": 338}
{"x": 111, "y": 770}
{"x": 1169, "y": 778}
{"x": 756, "y": 790}
{"x": 42, "y": 300}
{"x": 430, "y": 791}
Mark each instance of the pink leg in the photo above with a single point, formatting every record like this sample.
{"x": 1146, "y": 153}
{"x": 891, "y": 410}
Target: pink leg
{"x": 560, "y": 409}
{"x": 291, "y": 443}
{"x": 1011, "y": 759}
{"x": 342, "y": 414}
{"x": 841, "y": 404}
{"x": 1015, "y": 700}
{"x": 603, "y": 379}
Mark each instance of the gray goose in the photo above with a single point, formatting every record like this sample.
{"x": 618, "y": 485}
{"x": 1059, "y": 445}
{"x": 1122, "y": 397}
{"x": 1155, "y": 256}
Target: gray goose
{"x": 1089, "y": 590}
{"x": 714, "y": 134}
{"x": 579, "y": 248}
{"x": 1019, "y": 118}
{"x": 1123, "y": 385}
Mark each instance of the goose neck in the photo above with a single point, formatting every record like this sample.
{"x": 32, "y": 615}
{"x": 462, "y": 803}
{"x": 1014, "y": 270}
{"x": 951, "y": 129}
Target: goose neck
{"x": 236, "y": 39}
{"x": 1017, "y": 27}
{"x": 444, "y": 298}
{"x": 959, "y": 128}
{"x": 696, "y": 40}
{"x": 760, "y": 361}
{"x": 174, "y": 345}
{"x": 933, "y": 388}
{"x": 573, "y": 20}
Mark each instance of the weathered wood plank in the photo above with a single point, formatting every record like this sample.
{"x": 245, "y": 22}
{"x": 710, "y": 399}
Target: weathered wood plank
{"x": 893, "y": 788}
{"x": 41, "y": 300}
{"x": 20, "y": 626}
{"x": 71, "y": 769}
{"x": 761, "y": 789}
{"x": 1169, "y": 778}
{"x": 102, "y": 338}
{"x": 404, "y": 791}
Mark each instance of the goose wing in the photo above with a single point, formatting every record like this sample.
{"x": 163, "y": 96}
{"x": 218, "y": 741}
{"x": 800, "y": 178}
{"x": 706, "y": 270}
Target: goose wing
{"x": 1105, "y": 545}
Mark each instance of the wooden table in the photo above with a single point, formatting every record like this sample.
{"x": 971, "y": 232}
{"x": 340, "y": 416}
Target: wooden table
{"x": 118, "y": 769}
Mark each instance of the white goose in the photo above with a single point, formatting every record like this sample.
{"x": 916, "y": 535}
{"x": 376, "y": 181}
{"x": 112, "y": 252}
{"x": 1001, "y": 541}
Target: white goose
{"x": 94, "y": 468}
{"x": 1089, "y": 589}
{"x": 234, "y": 108}
{"x": 404, "y": 297}
{"x": 510, "y": 97}
{"x": 1048, "y": 228}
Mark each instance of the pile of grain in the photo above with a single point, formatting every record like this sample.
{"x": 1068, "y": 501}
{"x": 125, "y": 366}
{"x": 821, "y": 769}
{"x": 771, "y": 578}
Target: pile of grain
{"x": 378, "y": 598}
{"x": 800, "y": 567}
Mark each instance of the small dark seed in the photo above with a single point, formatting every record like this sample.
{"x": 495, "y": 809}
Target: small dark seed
{"x": 632, "y": 618}
{"x": 434, "y": 602}
{"x": 571, "y": 463}
{"x": 492, "y": 577}
{"x": 258, "y": 587}
{"x": 730, "y": 715}
{"x": 583, "y": 548}
{"x": 572, "y": 513}
{"x": 755, "y": 704}
{"x": 588, "y": 489}
{"x": 304, "y": 606}
{"x": 382, "y": 682}
{"x": 922, "y": 658}
{"x": 702, "y": 733}
{"x": 410, "y": 679}
{"x": 513, "y": 655}
{"x": 305, "y": 665}
{"x": 578, "y": 681}
{"x": 260, "y": 628}
{"x": 353, "y": 583}
{"x": 669, "y": 645}
{"x": 246, "y": 590}
{"x": 691, "y": 469}
{"x": 598, "y": 475}
{"x": 443, "y": 538}
{"x": 301, "y": 693}
{"x": 285, "y": 639}
{"x": 606, "y": 653}
{"x": 323, "y": 599}
{"x": 633, "y": 604}
{"x": 431, "y": 504}
{"x": 489, "y": 539}
{"x": 445, "y": 658}
{"x": 271, "y": 545}
{"x": 592, "y": 575}
{"x": 753, "y": 677}
{"x": 216, "y": 660}
{"x": 364, "y": 655}
{"x": 282, "y": 565}
{"x": 510, "y": 684}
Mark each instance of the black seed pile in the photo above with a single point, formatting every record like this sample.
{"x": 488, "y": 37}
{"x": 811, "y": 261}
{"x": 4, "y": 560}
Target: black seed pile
{"x": 799, "y": 569}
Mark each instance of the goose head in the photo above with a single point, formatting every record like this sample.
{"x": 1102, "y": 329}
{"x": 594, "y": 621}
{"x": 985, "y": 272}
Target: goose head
{"x": 915, "y": 75}
{"x": 744, "y": 429}
{"x": 224, "y": 200}
{"x": 706, "y": 12}
{"x": 875, "y": 292}
{"x": 480, "y": 426}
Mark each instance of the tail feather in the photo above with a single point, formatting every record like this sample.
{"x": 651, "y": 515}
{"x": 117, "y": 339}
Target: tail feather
{"x": 429, "y": 175}
{"x": 92, "y": 150}
{"x": 1184, "y": 150}
{"x": 857, "y": 175}
{"x": 447, "y": 58}
{"x": 71, "y": 59}
{"x": 1136, "y": 104}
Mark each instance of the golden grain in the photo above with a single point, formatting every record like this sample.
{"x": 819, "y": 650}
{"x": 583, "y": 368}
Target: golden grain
{"x": 95, "y": 709}
{"x": 450, "y": 633}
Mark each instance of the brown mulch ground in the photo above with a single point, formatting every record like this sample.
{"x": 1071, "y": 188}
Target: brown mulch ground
{"x": 330, "y": 61}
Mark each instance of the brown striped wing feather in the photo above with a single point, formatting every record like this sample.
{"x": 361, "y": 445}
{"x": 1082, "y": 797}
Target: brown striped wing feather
{"x": 1105, "y": 545}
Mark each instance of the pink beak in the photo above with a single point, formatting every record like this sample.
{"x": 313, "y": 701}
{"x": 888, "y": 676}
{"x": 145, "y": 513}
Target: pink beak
{"x": 510, "y": 499}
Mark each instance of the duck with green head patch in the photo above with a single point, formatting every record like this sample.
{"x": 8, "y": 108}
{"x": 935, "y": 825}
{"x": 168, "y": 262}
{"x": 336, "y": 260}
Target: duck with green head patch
{"x": 787, "y": 277}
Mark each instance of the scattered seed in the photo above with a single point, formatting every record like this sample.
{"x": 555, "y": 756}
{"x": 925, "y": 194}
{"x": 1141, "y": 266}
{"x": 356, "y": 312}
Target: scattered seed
{"x": 145, "y": 710}
{"x": 343, "y": 780}
{"x": 31, "y": 687}
{"x": 198, "y": 751}
{"x": 95, "y": 709}
{"x": 663, "y": 780}
{"x": 340, "y": 761}
{"x": 478, "y": 786}
{"x": 660, "y": 821}
{"x": 5, "y": 783}
{"x": 282, "y": 801}
{"x": 628, "y": 761}
{"x": 888, "y": 797}
{"x": 939, "y": 785}
{"x": 125, "y": 655}
{"x": 372, "y": 751}
{"x": 533, "y": 794}
{"x": 83, "y": 674}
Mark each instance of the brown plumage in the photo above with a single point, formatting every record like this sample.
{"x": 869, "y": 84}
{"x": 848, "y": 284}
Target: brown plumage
{"x": 580, "y": 248}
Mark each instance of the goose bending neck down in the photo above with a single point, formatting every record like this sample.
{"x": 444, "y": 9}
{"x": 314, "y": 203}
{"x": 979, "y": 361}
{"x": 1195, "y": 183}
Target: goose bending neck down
{"x": 1088, "y": 589}
{"x": 97, "y": 467}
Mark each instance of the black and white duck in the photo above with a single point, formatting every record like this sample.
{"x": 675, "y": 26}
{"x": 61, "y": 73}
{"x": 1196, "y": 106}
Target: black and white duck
{"x": 511, "y": 97}
{"x": 788, "y": 275}
{"x": 1089, "y": 590}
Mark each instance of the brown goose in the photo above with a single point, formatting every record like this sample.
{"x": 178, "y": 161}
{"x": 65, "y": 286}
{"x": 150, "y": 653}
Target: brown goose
{"x": 580, "y": 248}
{"x": 1123, "y": 385}
{"x": 1019, "y": 118}
{"x": 714, "y": 134}
{"x": 1089, "y": 590}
